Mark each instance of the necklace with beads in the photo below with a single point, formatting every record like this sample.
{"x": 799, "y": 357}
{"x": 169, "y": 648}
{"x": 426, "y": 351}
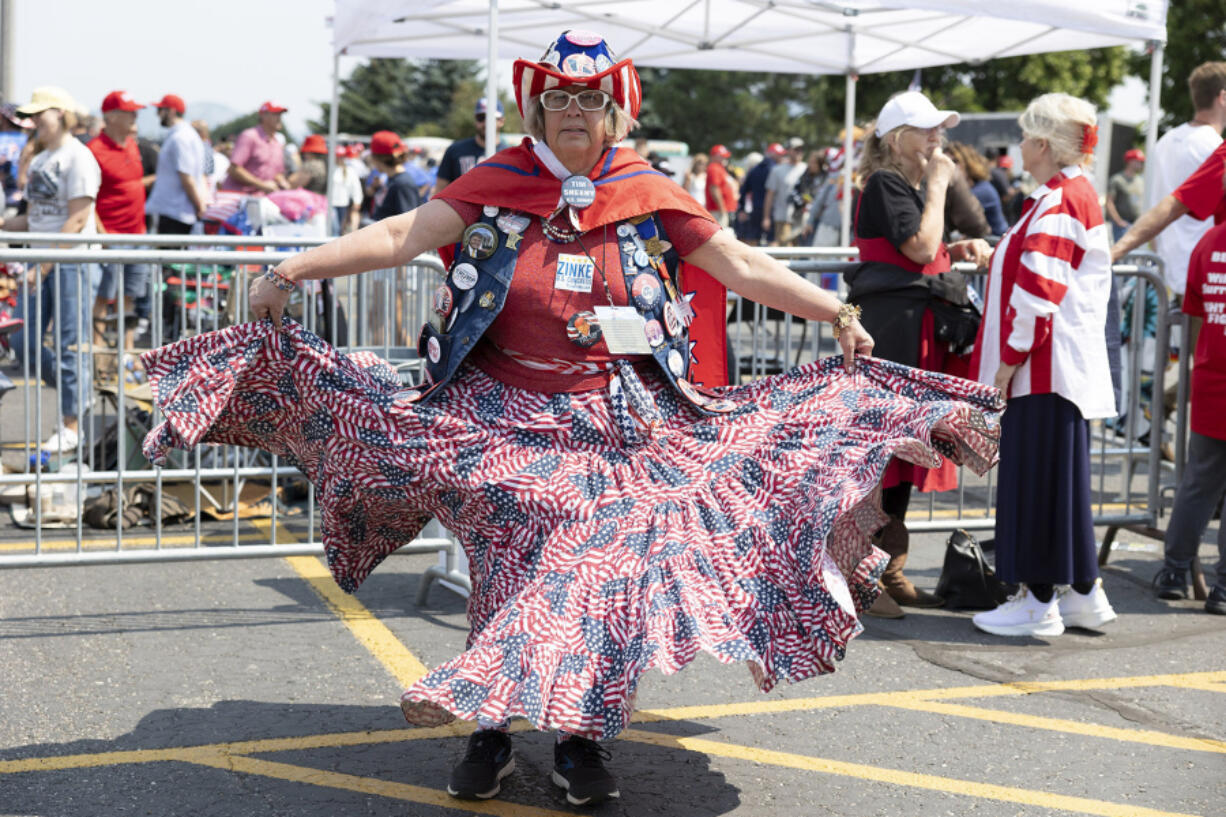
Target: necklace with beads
{"x": 557, "y": 233}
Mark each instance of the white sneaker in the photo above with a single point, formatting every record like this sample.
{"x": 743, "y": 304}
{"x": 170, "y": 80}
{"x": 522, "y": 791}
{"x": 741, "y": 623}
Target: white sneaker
{"x": 1022, "y": 614}
{"x": 62, "y": 441}
{"x": 1091, "y": 610}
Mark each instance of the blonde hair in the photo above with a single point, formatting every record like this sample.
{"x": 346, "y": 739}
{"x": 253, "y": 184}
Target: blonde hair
{"x": 879, "y": 153}
{"x": 617, "y": 123}
{"x": 1062, "y": 120}
{"x": 68, "y": 121}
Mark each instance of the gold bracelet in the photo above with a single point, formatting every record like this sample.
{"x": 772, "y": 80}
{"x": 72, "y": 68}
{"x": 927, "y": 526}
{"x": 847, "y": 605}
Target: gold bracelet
{"x": 844, "y": 317}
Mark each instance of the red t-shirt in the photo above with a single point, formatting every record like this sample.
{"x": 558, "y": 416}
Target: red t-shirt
{"x": 717, "y": 177}
{"x": 1202, "y": 192}
{"x": 1205, "y": 298}
{"x": 535, "y": 317}
{"x": 121, "y": 196}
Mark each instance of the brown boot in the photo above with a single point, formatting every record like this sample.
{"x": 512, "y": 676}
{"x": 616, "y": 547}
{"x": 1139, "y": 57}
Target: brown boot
{"x": 885, "y": 607}
{"x": 895, "y": 541}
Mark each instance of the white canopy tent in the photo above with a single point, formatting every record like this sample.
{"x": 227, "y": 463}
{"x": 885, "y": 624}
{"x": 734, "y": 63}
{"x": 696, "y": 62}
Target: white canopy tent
{"x": 849, "y": 37}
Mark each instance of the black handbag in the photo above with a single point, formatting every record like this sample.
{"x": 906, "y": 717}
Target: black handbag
{"x": 955, "y": 326}
{"x": 967, "y": 580}
{"x": 955, "y": 319}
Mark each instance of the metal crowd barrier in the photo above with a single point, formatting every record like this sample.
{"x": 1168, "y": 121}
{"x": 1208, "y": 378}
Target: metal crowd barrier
{"x": 763, "y": 342}
{"x": 381, "y": 312}
{"x": 194, "y": 290}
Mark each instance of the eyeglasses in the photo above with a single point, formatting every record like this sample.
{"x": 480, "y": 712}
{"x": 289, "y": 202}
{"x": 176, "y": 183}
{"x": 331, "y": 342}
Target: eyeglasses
{"x": 557, "y": 100}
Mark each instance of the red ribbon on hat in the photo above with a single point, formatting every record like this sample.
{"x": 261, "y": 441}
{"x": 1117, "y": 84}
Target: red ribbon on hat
{"x": 1089, "y": 138}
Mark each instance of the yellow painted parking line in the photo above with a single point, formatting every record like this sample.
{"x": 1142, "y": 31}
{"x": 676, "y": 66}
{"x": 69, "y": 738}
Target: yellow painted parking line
{"x": 1205, "y": 687}
{"x": 369, "y": 785}
{"x": 947, "y": 785}
{"x": 760, "y": 707}
{"x": 129, "y": 542}
{"x": 370, "y": 632}
{"x": 242, "y": 747}
{"x": 1092, "y": 730}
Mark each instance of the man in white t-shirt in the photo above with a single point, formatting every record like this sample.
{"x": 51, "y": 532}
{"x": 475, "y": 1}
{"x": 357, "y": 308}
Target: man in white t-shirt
{"x": 61, "y": 187}
{"x": 177, "y": 198}
{"x": 776, "y": 210}
{"x": 1176, "y": 156}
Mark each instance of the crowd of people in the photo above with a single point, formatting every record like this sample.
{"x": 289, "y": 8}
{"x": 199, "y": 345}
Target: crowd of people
{"x": 616, "y": 514}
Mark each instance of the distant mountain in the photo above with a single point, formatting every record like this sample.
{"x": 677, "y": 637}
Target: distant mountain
{"x": 214, "y": 113}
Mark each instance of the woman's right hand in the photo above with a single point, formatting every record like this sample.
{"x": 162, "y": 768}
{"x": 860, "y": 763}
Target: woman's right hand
{"x": 267, "y": 300}
{"x": 938, "y": 168}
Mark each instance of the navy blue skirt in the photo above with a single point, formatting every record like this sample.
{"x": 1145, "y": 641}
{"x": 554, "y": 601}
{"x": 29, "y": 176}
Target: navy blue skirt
{"x": 1044, "y": 523}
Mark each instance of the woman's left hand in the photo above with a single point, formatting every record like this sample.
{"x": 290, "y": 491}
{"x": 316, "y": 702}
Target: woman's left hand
{"x": 975, "y": 250}
{"x": 853, "y": 340}
{"x": 1003, "y": 377}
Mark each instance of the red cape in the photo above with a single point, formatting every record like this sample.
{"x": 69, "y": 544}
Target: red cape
{"x": 626, "y": 186}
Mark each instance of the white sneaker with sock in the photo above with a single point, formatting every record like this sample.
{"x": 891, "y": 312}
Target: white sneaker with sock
{"x": 1089, "y": 610}
{"x": 62, "y": 441}
{"x": 1022, "y": 614}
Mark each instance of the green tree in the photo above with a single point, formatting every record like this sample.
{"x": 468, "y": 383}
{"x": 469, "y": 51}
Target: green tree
{"x": 234, "y": 127}
{"x": 1196, "y": 33}
{"x": 406, "y": 96}
{"x": 746, "y": 110}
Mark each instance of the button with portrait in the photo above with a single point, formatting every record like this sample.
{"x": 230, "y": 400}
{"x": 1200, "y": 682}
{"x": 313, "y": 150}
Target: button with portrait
{"x": 479, "y": 241}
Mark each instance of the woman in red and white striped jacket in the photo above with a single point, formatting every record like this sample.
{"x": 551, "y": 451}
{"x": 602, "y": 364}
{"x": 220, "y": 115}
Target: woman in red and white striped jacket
{"x": 1042, "y": 343}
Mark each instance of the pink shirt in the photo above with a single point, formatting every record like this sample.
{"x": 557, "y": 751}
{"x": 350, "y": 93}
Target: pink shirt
{"x": 259, "y": 154}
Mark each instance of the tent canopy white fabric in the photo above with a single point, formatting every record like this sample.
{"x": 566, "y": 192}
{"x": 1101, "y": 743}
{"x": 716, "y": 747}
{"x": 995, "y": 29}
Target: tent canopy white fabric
{"x": 791, "y": 36}
{"x": 849, "y": 37}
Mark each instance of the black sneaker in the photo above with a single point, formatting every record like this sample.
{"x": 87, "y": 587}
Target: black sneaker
{"x": 489, "y": 759}
{"x": 1170, "y": 584}
{"x": 1216, "y": 603}
{"x": 578, "y": 767}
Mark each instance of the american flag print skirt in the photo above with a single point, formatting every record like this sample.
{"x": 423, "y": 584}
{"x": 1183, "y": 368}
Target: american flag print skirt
{"x": 744, "y": 535}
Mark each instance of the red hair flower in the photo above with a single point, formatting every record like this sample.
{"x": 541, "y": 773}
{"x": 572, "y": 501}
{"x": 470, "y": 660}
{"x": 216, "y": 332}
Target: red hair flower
{"x": 1089, "y": 138}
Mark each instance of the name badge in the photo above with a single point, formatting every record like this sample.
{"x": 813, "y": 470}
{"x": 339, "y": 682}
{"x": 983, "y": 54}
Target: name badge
{"x": 574, "y": 273}
{"x": 625, "y": 332}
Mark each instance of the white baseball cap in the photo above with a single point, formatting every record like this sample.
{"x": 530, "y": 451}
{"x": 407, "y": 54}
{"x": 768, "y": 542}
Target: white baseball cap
{"x": 914, "y": 109}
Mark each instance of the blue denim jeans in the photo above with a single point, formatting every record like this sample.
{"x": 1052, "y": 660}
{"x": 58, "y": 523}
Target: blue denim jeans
{"x": 70, "y": 285}
{"x": 135, "y": 286}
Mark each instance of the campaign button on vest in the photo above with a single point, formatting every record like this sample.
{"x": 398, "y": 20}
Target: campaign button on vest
{"x": 479, "y": 241}
{"x": 464, "y": 276}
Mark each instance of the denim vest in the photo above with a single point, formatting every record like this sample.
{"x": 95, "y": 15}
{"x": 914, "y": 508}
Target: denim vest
{"x": 476, "y": 289}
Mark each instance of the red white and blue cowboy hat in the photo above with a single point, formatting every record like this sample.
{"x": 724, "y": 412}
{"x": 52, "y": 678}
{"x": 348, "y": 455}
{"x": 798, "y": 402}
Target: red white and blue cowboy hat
{"x": 579, "y": 58}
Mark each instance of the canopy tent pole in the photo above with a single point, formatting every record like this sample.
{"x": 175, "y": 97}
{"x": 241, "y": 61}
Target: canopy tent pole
{"x": 849, "y": 140}
{"x": 333, "y": 119}
{"x": 491, "y": 85}
{"x": 1155, "y": 99}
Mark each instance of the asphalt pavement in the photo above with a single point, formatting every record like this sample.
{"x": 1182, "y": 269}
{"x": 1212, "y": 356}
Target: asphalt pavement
{"x": 253, "y": 688}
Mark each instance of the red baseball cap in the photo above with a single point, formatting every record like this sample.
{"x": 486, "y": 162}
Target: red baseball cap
{"x": 720, "y": 150}
{"x": 775, "y": 149}
{"x": 386, "y": 143}
{"x": 120, "y": 101}
{"x": 272, "y": 107}
{"x": 1134, "y": 154}
{"x": 172, "y": 101}
{"x": 1005, "y": 161}
{"x": 315, "y": 143}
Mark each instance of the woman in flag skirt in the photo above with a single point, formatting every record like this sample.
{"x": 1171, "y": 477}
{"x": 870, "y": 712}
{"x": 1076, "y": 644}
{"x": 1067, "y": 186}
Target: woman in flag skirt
{"x": 1042, "y": 343}
{"x": 616, "y": 514}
